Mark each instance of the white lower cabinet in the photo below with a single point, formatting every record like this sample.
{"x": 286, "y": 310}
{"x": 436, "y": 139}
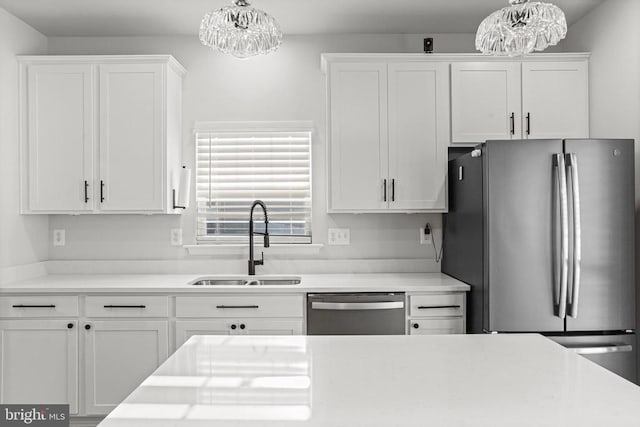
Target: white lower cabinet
{"x": 436, "y": 326}
{"x": 251, "y": 326}
{"x": 437, "y": 314}
{"x": 93, "y": 351}
{"x": 119, "y": 355}
{"x": 239, "y": 315}
{"x": 39, "y": 362}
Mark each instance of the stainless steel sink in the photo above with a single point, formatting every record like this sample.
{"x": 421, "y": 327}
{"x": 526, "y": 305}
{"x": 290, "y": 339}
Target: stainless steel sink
{"x": 247, "y": 281}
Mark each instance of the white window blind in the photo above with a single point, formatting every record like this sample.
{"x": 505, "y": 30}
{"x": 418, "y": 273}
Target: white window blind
{"x": 234, "y": 168}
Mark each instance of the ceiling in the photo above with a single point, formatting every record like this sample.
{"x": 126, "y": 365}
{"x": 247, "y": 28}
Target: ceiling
{"x": 182, "y": 17}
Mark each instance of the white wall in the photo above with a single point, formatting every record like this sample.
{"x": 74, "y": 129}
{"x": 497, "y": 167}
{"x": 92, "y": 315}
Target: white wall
{"x": 23, "y": 239}
{"x": 611, "y": 32}
{"x": 285, "y": 85}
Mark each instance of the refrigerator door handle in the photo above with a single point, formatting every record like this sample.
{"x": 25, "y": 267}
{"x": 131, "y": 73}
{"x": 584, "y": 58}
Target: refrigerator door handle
{"x": 572, "y": 163}
{"x": 564, "y": 231}
{"x": 603, "y": 349}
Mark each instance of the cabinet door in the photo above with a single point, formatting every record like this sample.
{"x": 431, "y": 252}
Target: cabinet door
{"x": 59, "y": 137}
{"x": 271, "y": 326}
{"x": 185, "y": 329}
{"x": 435, "y": 326}
{"x": 131, "y": 138}
{"x": 39, "y": 362}
{"x": 555, "y": 100}
{"x": 418, "y": 135}
{"x": 119, "y": 355}
{"x": 359, "y": 145}
{"x": 484, "y": 98}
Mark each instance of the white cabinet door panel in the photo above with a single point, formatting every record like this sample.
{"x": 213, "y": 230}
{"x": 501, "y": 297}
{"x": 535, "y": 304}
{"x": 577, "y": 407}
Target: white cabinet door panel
{"x": 271, "y": 326}
{"x": 418, "y": 135}
{"x": 555, "y": 96}
{"x": 60, "y": 137}
{"x": 131, "y": 137}
{"x": 359, "y": 145}
{"x": 484, "y": 96}
{"x": 119, "y": 355}
{"x": 39, "y": 362}
{"x": 185, "y": 329}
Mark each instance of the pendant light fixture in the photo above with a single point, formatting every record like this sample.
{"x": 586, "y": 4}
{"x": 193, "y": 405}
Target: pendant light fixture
{"x": 240, "y": 30}
{"x": 521, "y": 28}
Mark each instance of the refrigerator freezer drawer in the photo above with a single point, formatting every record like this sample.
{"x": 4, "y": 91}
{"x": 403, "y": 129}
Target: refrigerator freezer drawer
{"x": 616, "y": 353}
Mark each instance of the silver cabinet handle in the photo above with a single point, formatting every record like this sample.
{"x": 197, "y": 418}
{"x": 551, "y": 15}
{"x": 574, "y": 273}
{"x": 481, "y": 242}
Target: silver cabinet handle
{"x": 613, "y": 348}
{"x": 564, "y": 231}
{"x": 572, "y": 163}
{"x": 388, "y": 305}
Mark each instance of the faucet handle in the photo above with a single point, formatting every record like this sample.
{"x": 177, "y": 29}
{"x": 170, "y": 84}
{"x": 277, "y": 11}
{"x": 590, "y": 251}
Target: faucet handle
{"x": 261, "y": 261}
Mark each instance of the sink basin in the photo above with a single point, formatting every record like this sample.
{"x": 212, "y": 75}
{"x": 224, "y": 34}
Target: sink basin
{"x": 247, "y": 281}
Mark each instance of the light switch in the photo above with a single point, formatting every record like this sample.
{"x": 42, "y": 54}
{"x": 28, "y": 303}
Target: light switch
{"x": 339, "y": 236}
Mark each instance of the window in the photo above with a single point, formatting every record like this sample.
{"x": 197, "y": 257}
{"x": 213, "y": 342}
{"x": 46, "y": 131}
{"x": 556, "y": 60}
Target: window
{"x": 238, "y": 163}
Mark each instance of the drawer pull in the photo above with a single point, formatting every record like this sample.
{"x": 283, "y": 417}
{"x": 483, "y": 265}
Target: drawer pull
{"x": 34, "y": 306}
{"x": 125, "y": 306}
{"x": 237, "y": 306}
{"x": 433, "y": 307}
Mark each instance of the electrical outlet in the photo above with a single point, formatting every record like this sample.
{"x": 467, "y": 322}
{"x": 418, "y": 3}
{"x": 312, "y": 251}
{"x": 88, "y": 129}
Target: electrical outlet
{"x": 339, "y": 236}
{"x": 425, "y": 239}
{"x": 59, "y": 237}
{"x": 176, "y": 236}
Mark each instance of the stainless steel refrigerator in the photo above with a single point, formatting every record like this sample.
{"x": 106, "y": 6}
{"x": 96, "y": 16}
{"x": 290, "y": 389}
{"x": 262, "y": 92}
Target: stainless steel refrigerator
{"x": 543, "y": 231}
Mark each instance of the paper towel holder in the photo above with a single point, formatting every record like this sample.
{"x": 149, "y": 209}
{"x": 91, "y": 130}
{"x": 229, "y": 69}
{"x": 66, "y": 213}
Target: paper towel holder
{"x": 173, "y": 195}
{"x": 174, "y": 201}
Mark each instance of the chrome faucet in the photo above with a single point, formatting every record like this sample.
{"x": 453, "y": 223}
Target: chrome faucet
{"x": 252, "y": 262}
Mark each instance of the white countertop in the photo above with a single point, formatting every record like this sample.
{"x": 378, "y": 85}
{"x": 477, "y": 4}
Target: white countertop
{"x": 164, "y": 283}
{"x": 449, "y": 380}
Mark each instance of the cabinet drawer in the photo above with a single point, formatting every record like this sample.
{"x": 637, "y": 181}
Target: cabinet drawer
{"x": 240, "y": 306}
{"x": 127, "y": 306}
{"x": 453, "y": 325}
{"x": 39, "y": 306}
{"x": 436, "y": 305}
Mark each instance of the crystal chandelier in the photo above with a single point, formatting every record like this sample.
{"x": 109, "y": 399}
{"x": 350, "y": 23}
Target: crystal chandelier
{"x": 240, "y": 30}
{"x": 521, "y": 28}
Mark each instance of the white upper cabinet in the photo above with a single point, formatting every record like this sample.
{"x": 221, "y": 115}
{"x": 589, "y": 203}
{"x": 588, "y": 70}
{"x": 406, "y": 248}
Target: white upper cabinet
{"x": 485, "y": 101}
{"x": 359, "y": 165}
{"x": 60, "y": 137}
{"x": 131, "y": 137}
{"x": 388, "y": 133}
{"x": 418, "y": 135}
{"x": 101, "y": 134}
{"x": 555, "y": 99}
{"x": 542, "y": 96}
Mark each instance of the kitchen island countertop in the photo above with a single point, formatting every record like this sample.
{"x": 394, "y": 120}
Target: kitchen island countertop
{"x": 472, "y": 380}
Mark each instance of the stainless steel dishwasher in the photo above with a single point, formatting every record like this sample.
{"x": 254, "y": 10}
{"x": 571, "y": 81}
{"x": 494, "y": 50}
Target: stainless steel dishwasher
{"x": 356, "y": 314}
